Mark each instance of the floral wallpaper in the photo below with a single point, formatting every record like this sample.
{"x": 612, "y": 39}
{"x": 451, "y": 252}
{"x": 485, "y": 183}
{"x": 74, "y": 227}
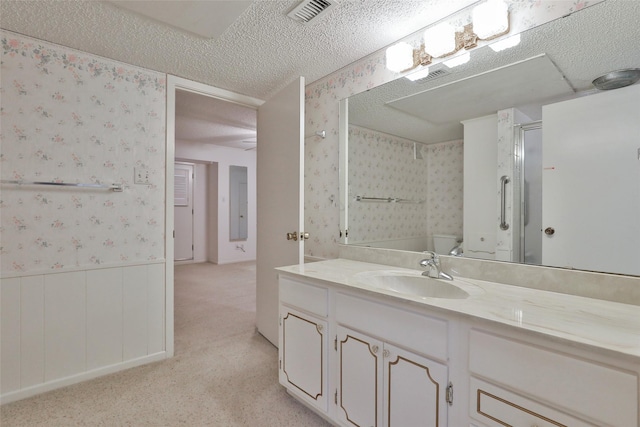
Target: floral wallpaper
{"x": 383, "y": 166}
{"x": 386, "y": 166}
{"x": 72, "y": 117}
{"x": 322, "y": 211}
{"x": 445, "y": 182}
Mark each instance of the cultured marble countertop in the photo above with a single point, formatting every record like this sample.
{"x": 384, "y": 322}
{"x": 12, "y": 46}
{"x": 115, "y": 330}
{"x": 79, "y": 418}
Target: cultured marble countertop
{"x": 610, "y": 326}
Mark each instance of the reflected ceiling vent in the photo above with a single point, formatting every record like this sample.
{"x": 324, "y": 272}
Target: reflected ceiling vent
{"x": 617, "y": 79}
{"x": 309, "y": 10}
{"x": 433, "y": 75}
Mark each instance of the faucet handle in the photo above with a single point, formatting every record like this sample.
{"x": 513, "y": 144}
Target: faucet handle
{"x": 434, "y": 256}
{"x": 434, "y": 261}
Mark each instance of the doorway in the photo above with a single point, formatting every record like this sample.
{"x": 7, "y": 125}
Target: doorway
{"x": 218, "y": 138}
{"x": 174, "y": 85}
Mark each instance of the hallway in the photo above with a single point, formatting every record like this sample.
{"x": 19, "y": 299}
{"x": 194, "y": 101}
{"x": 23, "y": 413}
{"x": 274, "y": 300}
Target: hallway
{"x": 223, "y": 373}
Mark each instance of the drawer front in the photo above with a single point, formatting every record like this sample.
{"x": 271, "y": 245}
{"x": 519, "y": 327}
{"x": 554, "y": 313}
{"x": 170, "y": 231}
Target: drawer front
{"x": 419, "y": 333}
{"x": 307, "y": 297}
{"x": 497, "y": 407}
{"x": 600, "y": 392}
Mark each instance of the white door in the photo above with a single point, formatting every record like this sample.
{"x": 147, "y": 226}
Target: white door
{"x": 280, "y": 181}
{"x": 584, "y": 140}
{"x": 183, "y": 211}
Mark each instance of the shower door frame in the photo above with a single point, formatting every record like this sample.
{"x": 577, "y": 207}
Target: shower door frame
{"x": 519, "y": 193}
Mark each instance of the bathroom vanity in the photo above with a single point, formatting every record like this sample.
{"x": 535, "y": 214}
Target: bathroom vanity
{"x": 366, "y": 344}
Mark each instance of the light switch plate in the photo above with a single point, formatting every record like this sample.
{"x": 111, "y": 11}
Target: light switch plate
{"x": 141, "y": 176}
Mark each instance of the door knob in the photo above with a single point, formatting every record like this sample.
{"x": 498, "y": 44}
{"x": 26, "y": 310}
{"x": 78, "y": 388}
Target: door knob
{"x": 549, "y": 231}
{"x": 304, "y": 236}
{"x": 292, "y": 236}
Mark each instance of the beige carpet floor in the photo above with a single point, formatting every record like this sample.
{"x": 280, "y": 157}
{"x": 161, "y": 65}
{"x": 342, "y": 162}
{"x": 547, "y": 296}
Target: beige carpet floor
{"x": 223, "y": 373}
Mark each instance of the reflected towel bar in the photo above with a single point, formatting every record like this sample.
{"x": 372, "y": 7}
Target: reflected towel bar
{"x": 387, "y": 200}
{"x": 113, "y": 187}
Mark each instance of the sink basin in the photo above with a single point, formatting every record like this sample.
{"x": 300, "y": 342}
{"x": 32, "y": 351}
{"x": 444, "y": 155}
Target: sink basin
{"x": 414, "y": 285}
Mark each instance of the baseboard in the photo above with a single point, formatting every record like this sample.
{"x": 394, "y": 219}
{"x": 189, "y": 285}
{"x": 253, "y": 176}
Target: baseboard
{"x": 78, "y": 378}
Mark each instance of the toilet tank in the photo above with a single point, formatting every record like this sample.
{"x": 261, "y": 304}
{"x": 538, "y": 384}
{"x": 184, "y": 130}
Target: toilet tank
{"x": 443, "y": 243}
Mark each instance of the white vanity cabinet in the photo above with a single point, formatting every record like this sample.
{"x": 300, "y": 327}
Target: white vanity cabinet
{"x": 303, "y": 345}
{"x": 383, "y": 385}
{"x": 384, "y": 378}
{"x": 519, "y": 384}
{"x": 360, "y": 357}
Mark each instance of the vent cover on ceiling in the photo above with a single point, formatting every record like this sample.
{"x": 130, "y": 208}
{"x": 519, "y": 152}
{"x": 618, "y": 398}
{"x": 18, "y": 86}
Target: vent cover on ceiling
{"x": 310, "y": 9}
{"x": 433, "y": 75}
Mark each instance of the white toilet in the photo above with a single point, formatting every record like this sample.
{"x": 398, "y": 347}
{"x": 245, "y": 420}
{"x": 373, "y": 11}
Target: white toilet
{"x": 443, "y": 243}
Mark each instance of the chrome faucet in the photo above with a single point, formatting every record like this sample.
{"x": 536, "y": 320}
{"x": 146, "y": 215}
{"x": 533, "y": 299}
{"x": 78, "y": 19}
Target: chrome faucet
{"x": 433, "y": 264}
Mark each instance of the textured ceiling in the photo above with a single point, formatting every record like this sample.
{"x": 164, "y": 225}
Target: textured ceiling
{"x": 207, "y": 19}
{"x": 258, "y": 54}
{"x": 208, "y": 120}
{"x": 534, "y": 80}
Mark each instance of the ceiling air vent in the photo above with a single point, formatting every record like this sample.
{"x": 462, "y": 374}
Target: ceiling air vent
{"x": 308, "y": 10}
{"x": 433, "y": 75}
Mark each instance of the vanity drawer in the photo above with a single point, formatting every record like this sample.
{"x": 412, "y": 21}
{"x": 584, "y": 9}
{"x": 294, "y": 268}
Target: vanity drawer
{"x": 311, "y": 298}
{"x": 602, "y": 393}
{"x": 496, "y": 407}
{"x": 424, "y": 334}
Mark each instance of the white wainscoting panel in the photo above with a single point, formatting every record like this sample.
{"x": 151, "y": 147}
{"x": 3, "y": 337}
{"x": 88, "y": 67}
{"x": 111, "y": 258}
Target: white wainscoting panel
{"x": 10, "y": 340}
{"x": 65, "y": 325}
{"x": 62, "y": 328}
{"x": 104, "y": 317}
{"x": 31, "y": 331}
{"x": 156, "y": 308}
{"x": 134, "y": 291}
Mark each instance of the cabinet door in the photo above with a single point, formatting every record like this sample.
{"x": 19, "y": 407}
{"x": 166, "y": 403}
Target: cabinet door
{"x": 415, "y": 392}
{"x": 359, "y": 379}
{"x": 303, "y": 356}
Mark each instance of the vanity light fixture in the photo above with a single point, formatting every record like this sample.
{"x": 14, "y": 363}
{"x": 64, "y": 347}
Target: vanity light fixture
{"x": 440, "y": 40}
{"x": 489, "y": 21}
{"x": 458, "y": 60}
{"x": 400, "y": 57}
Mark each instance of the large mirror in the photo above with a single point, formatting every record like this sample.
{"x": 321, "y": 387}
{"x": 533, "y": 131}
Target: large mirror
{"x": 416, "y": 153}
{"x": 238, "y": 203}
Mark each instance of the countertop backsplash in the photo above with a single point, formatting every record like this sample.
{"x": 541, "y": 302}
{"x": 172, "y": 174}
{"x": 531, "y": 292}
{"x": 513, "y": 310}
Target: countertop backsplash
{"x": 604, "y": 286}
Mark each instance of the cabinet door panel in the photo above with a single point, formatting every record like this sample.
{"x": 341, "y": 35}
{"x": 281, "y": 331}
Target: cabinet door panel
{"x": 303, "y": 356}
{"x": 416, "y": 390}
{"x": 360, "y": 379}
